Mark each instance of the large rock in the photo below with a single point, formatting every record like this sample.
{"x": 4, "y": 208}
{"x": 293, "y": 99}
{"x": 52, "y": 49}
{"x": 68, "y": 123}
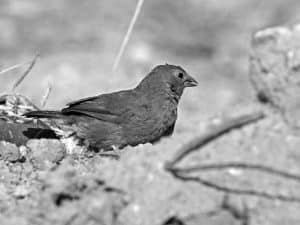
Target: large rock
{"x": 275, "y": 69}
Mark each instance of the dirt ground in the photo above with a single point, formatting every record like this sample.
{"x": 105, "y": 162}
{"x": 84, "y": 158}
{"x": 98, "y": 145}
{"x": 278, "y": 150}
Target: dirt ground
{"x": 78, "y": 41}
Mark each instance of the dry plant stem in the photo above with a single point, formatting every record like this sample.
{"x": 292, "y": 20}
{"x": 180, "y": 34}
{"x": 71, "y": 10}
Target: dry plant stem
{"x": 236, "y": 191}
{"x": 29, "y": 102}
{"x": 212, "y": 133}
{"x": 46, "y": 96}
{"x": 19, "y": 81}
{"x": 128, "y": 34}
{"x": 14, "y": 67}
{"x": 236, "y": 165}
{"x": 25, "y": 101}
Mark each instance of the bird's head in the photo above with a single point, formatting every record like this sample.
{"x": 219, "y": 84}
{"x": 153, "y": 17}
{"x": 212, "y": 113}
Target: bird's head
{"x": 173, "y": 79}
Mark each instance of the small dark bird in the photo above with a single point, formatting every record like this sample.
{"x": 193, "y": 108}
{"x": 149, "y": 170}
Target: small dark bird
{"x": 131, "y": 117}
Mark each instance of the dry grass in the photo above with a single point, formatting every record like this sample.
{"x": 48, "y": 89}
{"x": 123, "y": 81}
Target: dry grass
{"x": 128, "y": 34}
{"x": 14, "y": 67}
{"x": 46, "y": 95}
{"x": 24, "y": 75}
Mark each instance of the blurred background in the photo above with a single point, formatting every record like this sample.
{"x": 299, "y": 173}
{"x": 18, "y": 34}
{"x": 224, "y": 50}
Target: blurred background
{"x": 79, "y": 40}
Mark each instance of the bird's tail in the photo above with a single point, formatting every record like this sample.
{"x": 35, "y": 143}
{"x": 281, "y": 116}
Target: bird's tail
{"x": 43, "y": 114}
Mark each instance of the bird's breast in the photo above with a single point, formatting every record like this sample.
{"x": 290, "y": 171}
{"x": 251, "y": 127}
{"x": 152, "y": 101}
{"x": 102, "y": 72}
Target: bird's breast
{"x": 152, "y": 121}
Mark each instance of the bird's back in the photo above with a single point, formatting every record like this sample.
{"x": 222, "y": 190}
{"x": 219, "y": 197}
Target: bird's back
{"x": 123, "y": 118}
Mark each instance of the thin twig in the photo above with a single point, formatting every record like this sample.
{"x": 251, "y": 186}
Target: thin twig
{"x": 237, "y": 165}
{"x": 19, "y": 81}
{"x": 211, "y": 134}
{"x": 128, "y": 34}
{"x": 14, "y": 67}
{"x": 214, "y": 132}
{"x": 11, "y": 99}
{"x": 46, "y": 95}
{"x": 237, "y": 191}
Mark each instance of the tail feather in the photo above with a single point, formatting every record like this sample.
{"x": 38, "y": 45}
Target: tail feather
{"x": 43, "y": 114}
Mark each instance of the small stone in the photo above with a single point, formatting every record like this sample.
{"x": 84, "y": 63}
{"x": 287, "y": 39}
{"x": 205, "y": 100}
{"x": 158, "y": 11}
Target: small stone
{"x": 46, "y": 153}
{"x": 23, "y": 150}
{"x": 21, "y": 191}
{"x": 9, "y": 152}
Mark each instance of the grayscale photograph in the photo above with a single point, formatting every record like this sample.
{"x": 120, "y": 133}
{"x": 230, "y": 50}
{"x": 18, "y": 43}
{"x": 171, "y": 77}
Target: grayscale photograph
{"x": 149, "y": 112}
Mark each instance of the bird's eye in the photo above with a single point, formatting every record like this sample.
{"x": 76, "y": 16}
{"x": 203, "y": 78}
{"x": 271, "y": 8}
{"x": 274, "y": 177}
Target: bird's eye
{"x": 180, "y": 75}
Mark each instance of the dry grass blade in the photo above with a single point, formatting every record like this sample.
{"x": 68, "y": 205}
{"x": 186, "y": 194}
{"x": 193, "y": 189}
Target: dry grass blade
{"x": 14, "y": 67}
{"x": 128, "y": 33}
{"x": 46, "y": 95}
{"x": 19, "y": 81}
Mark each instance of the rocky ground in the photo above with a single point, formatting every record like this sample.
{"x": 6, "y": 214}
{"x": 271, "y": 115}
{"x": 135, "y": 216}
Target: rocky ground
{"x": 250, "y": 175}
{"x": 42, "y": 184}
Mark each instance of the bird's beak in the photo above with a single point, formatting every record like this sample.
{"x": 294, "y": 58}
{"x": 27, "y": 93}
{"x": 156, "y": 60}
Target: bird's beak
{"x": 190, "y": 82}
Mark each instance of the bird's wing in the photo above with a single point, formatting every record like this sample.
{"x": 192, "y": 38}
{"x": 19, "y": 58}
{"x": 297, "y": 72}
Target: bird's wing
{"x": 106, "y": 107}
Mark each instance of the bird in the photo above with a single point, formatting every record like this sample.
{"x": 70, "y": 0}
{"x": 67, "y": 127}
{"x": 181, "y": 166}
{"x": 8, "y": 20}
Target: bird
{"x": 131, "y": 117}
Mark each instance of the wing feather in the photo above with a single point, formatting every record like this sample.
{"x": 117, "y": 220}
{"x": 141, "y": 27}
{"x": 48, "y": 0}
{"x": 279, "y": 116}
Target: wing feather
{"x": 106, "y": 107}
